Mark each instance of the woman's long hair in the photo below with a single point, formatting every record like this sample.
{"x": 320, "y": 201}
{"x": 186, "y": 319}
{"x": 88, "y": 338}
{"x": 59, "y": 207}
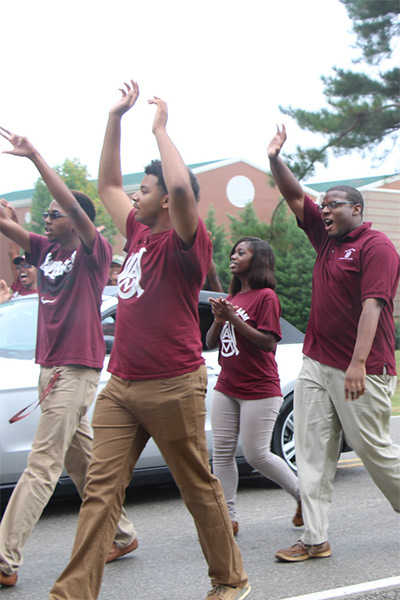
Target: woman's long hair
{"x": 262, "y": 267}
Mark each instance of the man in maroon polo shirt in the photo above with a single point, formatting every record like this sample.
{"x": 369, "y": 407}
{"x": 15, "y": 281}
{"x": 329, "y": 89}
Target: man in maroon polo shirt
{"x": 349, "y": 373}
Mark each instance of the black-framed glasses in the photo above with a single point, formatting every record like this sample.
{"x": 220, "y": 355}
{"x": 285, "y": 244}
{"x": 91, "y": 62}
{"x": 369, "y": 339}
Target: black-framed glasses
{"x": 55, "y": 214}
{"x": 332, "y": 204}
{"x": 23, "y": 266}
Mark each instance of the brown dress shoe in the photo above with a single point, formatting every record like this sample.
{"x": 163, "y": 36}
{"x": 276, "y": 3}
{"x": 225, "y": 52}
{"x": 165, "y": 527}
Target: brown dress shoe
{"x": 235, "y": 527}
{"x": 298, "y": 517}
{"x": 116, "y": 552}
{"x": 8, "y": 580}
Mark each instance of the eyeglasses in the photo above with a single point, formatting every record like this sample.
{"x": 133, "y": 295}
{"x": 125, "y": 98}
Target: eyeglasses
{"x": 332, "y": 204}
{"x": 24, "y": 266}
{"x": 56, "y": 214}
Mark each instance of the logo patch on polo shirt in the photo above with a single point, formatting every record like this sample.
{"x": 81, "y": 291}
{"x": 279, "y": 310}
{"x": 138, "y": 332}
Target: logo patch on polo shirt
{"x": 348, "y": 254}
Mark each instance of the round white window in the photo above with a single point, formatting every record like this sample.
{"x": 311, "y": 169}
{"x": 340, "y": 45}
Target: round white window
{"x": 240, "y": 191}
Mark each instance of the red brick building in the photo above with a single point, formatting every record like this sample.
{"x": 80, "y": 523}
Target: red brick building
{"x": 228, "y": 185}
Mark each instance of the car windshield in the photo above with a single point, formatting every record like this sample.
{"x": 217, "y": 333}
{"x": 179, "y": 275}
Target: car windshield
{"x": 18, "y": 323}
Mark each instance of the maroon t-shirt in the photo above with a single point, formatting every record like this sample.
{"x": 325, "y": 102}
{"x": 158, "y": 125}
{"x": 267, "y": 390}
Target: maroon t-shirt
{"x": 362, "y": 264}
{"x": 20, "y": 290}
{"x": 70, "y": 285}
{"x": 248, "y": 372}
{"x": 157, "y": 331}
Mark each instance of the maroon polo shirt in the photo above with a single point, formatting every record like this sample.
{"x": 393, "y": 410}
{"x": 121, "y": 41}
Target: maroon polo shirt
{"x": 362, "y": 264}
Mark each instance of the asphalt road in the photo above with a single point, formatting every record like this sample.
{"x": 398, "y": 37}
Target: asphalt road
{"x": 168, "y": 565}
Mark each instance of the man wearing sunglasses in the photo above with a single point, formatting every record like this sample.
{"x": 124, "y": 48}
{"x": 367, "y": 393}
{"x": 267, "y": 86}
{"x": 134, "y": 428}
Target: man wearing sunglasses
{"x": 72, "y": 260}
{"x": 349, "y": 372}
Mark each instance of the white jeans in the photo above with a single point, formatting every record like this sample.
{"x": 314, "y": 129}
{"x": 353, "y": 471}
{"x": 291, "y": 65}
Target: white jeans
{"x": 321, "y": 414}
{"x": 255, "y": 420}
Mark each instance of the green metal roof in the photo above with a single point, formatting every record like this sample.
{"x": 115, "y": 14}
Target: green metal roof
{"x": 357, "y": 183}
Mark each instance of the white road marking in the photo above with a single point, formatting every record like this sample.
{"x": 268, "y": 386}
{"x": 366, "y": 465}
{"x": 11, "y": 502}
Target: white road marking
{"x": 351, "y": 589}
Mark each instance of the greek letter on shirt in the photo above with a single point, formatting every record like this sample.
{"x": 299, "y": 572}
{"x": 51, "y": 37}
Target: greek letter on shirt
{"x": 129, "y": 278}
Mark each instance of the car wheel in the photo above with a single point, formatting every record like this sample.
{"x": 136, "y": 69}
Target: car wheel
{"x": 283, "y": 437}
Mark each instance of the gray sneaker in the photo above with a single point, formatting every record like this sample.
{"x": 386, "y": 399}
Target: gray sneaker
{"x": 228, "y": 592}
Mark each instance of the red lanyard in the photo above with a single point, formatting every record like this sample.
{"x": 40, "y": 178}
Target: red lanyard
{"x": 20, "y": 415}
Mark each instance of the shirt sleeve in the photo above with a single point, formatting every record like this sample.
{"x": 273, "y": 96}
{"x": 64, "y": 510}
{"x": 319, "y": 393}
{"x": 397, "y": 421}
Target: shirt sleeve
{"x": 200, "y": 251}
{"x": 100, "y": 256}
{"x": 36, "y": 243}
{"x": 269, "y": 314}
{"x": 379, "y": 271}
{"x": 312, "y": 224}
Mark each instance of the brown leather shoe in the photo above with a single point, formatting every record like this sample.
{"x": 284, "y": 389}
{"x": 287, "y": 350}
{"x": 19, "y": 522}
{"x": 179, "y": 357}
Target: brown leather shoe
{"x": 116, "y": 552}
{"x": 298, "y": 517}
{"x": 235, "y": 527}
{"x": 8, "y": 580}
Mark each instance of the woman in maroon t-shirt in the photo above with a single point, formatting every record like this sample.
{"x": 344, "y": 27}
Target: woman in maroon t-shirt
{"x": 247, "y": 397}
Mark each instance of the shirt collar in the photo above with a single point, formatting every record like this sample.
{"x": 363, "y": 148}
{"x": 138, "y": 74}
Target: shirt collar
{"x": 355, "y": 233}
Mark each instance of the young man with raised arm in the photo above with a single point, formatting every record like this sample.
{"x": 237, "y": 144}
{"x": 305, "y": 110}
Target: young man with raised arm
{"x": 159, "y": 379}
{"x": 72, "y": 261}
{"x": 349, "y": 371}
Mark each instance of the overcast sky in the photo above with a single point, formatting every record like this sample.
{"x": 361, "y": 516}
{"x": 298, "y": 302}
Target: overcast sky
{"x": 223, "y": 66}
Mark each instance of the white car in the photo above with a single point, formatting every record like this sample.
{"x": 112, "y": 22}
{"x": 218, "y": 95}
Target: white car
{"x": 19, "y": 378}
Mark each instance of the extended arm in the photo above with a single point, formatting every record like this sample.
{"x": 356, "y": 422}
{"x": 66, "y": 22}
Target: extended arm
{"x": 110, "y": 187}
{"x": 181, "y": 200}
{"x": 287, "y": 183}
{"x": 13, "y": 248}
{"x": 56, "y": 186}
{"x": 367, "y": 325}
{"x": 12, "y": 229}
{"x": 213, "y": 282}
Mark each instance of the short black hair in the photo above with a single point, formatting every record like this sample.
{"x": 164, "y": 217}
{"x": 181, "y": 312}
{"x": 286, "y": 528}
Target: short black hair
{"x": 352, "y": 194}
{"x": 86, "y": 204}
{"x": 262, "y": 267}
{"x": 155, "y": 168}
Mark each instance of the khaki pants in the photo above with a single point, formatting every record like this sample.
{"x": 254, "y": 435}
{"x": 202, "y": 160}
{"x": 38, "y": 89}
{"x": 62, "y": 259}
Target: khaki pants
{"x": 127, "y": 414}
{"x": 63, "y": 436}
{"x": 321, "y": 414}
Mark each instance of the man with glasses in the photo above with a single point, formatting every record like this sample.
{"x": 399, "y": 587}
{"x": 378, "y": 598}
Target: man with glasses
{"x": 349, "y": 372}
{"x": 72, "y": 259}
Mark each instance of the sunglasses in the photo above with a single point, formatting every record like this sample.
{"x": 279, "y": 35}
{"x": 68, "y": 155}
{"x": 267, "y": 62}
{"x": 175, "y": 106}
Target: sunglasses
{"x": 24, "y": 266}
{"x": 56, "y": 214}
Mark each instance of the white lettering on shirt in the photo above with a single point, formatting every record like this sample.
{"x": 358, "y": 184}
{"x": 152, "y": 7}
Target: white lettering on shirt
{"x": 228, "y": 340}
{"x": 56, "y": 268}
{"x": 129, "y": 278}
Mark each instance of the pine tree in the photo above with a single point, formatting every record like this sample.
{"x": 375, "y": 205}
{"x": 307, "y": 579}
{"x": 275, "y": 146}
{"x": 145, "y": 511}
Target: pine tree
{"x": 363, "y": 105}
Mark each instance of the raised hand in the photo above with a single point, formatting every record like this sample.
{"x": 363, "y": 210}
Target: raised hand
{"x": 21, "y": 145}
{"x": 10, "y": 210}
{"x": 161, "y": 116}
{"x": 277, "y": 142}
{"x": 129, "y": 96}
